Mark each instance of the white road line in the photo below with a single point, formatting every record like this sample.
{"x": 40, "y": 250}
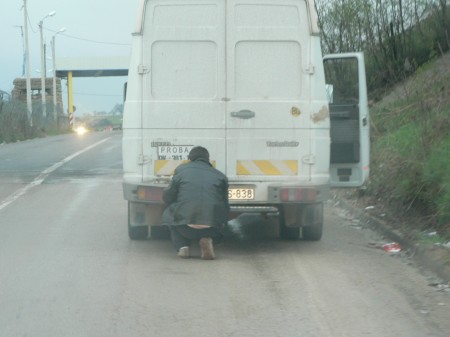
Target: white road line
{"x": 44, "y": 174}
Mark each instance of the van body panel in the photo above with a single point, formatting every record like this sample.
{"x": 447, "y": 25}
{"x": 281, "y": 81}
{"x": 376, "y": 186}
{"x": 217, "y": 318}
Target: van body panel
{"x": 183, "y": 89}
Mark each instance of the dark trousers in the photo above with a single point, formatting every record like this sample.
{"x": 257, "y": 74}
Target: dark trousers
{"x": 183, "y": 235}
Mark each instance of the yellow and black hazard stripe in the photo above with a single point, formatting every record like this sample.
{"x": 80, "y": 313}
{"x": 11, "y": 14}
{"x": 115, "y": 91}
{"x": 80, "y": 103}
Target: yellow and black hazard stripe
{"x": 243, "y": 167}
{"x": 267, "y": 167}
{"x": 167, "y": 167}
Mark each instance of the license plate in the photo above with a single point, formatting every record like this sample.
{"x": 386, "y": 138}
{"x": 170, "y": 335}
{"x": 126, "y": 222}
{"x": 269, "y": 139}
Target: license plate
{"x": 174, "y": 152}
{"x": 241, "y": 193}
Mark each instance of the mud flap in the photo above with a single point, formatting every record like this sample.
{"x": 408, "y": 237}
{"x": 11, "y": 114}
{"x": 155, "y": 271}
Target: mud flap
{"x": 137, "y": 228}
{"x": 312, "y": 222}
{"x": 141, "y": 217}
{"x": 308, "y": 217}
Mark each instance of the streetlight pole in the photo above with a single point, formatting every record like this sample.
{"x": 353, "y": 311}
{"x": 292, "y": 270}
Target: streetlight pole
{"x": 55, "y": 112}
{"x": 43, "y": 74}
{"x": 27, "y": 63}
{"x": 23, "y": 49}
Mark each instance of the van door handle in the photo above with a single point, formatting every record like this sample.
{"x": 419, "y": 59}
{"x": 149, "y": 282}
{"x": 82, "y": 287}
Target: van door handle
{"x": 245, "y": 114}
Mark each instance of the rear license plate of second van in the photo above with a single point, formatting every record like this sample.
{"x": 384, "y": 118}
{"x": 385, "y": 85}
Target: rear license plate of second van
{"x": 241, "y": 193}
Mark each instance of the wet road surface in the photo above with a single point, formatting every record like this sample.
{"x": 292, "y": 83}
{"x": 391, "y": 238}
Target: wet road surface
{"x": 67, "y": 267}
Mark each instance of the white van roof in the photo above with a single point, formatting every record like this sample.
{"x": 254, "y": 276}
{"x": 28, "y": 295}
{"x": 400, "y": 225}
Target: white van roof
{"x": 313, "y": 19}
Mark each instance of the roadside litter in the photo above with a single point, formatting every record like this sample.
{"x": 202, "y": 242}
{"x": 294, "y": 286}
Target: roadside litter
{"x": 392, "y": 247}
{"x": 441, "y": 286}
{"x": 443, "y": 245}
{"x": 438, "y": 241}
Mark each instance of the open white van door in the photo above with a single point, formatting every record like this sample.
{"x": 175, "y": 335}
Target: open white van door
{"x": 349, "y": 119}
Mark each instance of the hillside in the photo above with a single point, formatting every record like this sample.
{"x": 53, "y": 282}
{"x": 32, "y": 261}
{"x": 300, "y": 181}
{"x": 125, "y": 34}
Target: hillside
{"x": 409, "y": 186}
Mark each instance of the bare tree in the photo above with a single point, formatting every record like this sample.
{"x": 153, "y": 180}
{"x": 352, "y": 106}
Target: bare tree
{"x": 396, "y": 35}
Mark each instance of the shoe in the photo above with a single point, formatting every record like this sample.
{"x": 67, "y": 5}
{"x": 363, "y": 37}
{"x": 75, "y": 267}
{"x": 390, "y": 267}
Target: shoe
{"x": 183, "y": 252}
{"x": 206, "y": 246}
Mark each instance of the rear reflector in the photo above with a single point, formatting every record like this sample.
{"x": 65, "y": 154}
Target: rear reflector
{"x": 298, "y": 194}
{"x": 150, "y": 193}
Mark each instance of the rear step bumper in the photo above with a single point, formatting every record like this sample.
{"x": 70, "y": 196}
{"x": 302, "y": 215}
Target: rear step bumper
{"x": 253, "y": 209}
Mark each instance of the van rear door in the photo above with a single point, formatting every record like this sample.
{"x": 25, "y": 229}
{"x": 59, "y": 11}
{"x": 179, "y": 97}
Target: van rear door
{"x": 183, "y": 85}
{"x": 349, "y": 119}
{"x": 268, "y": 116}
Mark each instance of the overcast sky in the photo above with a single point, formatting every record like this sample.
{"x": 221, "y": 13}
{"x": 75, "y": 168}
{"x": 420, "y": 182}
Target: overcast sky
{"x": 94, "y": 28}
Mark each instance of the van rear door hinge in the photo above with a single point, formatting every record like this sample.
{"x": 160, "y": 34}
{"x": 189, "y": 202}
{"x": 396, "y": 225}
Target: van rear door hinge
{"x": 309, "y": 159}
{"x": 143, "y": 69}
{"x": 142, "y": 160}
{"x": 310, "y": 70}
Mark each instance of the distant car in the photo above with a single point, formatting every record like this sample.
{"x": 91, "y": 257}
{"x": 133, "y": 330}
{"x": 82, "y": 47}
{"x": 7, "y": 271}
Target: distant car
{"x": 81, "y": 130}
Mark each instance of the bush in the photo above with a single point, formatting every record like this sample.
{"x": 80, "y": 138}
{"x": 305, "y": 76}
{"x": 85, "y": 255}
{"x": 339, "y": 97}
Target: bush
{"x": 411, "y": 146}
{"x": 436, "y": 174}
{"x": 14, "y": 123}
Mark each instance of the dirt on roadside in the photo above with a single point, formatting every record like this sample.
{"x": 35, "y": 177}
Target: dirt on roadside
{"x": 430, "y": 249}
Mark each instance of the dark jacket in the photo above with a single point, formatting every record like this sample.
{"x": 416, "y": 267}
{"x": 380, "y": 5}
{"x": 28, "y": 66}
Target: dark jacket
{"x": 198, "y": 194}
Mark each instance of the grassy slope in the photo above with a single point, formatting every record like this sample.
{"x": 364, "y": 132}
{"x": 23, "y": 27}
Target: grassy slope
{"x": 410, "y": 169}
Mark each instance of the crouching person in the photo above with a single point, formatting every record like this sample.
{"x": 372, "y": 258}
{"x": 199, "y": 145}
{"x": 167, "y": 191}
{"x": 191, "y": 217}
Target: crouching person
{"x": 197, "y": 204}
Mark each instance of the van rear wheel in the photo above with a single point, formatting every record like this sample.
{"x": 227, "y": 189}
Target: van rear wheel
{"x": 159, "y": 232}
{"x": 312, "y": 233}
{"x": 289, "y": 233}
{"x": 138, "y": 232}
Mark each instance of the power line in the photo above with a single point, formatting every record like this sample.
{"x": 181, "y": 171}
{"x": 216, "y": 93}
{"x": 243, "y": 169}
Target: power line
{"x": 31, "y": 25}
{"x": 89, "y": 40}
{"x": 78, "y": 38}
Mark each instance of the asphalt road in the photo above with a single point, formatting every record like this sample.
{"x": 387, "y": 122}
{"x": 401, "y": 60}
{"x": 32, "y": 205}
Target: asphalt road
{"x": 67, "y": 267}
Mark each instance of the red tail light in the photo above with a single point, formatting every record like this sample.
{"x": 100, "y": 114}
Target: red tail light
{"x": 150, "y": 193}
{"x": 303, "y": 194}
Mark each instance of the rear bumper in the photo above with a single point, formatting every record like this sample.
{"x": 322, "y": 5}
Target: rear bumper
{"x": 288, "y": 199}
{"x": 131, "y": 192}
{"x": 267, "y": 196}
{"x": 295, "y": 202}
{"x": 293, "y": 193}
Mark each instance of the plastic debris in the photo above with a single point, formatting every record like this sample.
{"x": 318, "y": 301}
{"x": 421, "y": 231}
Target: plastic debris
{"x": 392, "y": 247}
{"x": 443, "y": 245}
{"x": 370, "y": 207}
{"x": 376, "y": 245}
{"x": 429, "y": 234}
{"x": 440, "y": 286}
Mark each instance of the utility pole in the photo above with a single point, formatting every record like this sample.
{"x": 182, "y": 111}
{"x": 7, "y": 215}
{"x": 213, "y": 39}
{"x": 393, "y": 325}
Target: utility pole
{"x": 23, "y": 49}
{"x": 27, "y": 65}
{"x": 43, "y": 70}
{"x": 55, "y": 112}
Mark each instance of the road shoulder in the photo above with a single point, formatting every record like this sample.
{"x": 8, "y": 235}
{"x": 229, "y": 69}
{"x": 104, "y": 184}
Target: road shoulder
{"x": 434, "y": 258}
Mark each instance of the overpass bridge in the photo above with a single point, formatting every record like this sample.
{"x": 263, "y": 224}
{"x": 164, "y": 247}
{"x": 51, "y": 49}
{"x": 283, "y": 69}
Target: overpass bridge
{"x": 70, "y": 67}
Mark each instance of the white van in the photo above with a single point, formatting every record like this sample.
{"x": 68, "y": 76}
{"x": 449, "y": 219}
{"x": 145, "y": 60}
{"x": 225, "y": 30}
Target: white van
{"x": 246, "y": 80}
